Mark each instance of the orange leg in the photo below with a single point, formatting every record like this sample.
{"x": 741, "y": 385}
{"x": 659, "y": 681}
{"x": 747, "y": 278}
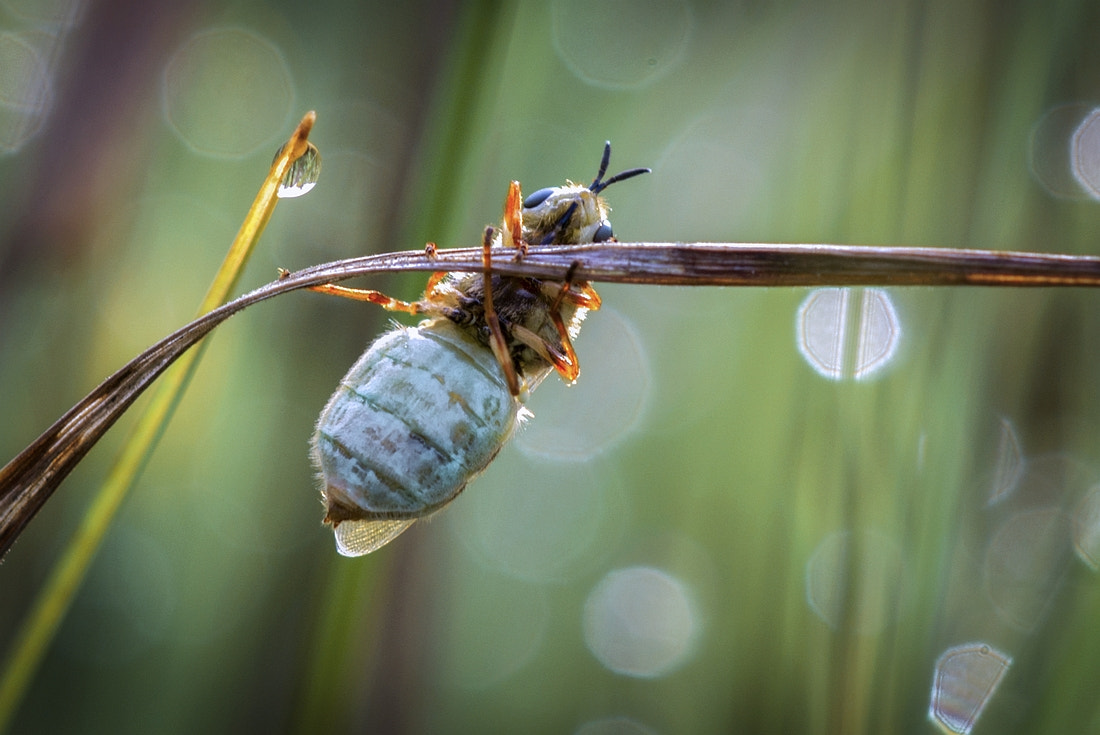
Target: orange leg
{"x": 586, "y": 297}
{"x": 565, "y": 361}
{"x": 496, "y": 335}
{"x": 568, "y": 366}
{"x": 375, "y": 297}
{"x": 512, "y": 224}
{"x": 433, "y": 283}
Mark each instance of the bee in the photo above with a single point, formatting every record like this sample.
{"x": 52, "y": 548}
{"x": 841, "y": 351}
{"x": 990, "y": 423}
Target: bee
{"x": 427, "y": 408}
{"x": 517, "y": 329}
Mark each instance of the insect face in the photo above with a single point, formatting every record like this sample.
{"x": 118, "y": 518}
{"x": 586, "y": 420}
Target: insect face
{"x": 573, "y": 213}
{"x": 426, "y": 408}
{"x": 565, "y": 214}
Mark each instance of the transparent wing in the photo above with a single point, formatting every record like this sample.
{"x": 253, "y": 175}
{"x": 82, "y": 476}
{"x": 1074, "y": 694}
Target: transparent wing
{"x": 356, "y": 538}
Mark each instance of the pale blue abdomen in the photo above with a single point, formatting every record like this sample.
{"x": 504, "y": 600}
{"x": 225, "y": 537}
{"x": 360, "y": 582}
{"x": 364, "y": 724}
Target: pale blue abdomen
{"x": 416, "y": 418}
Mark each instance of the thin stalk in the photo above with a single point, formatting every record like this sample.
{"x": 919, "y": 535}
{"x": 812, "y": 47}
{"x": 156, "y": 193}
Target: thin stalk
{"x": 27, "y": 481}
{"x": 49, "y": 608}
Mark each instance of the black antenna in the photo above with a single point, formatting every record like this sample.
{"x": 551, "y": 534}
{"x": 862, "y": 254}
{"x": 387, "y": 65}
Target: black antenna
{"x": 597, "y": 185}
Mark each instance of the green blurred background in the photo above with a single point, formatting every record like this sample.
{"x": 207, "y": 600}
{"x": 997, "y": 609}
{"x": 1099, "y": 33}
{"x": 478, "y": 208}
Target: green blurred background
{"x": 704, "y": 534}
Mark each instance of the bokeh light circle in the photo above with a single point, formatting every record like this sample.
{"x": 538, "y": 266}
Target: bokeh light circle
{"x": 1086, "y": 528}
{"x": 499, "y": 628}
{"x": 1050, "y": 151}
{"x": 579, "y": 421}
{"x": 1085, "y": 153}
{"x": 614, "y": 726}
{"x": 848, "y": 333}
{"x": 26, "y": 92}
{"x": 227, "y": 92}
{"x": 641, "y": 622}
{"x": 619, "y": 44}
{"x": 870, "y": 600}
{"x": 1025, "y": 564}
{"x": 57, "y": 14}
{"x": 963, "y": 683}
{"x": 544, "y": 522}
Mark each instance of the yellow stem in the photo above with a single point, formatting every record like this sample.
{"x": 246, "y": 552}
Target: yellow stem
{"x": 49, "y": 608}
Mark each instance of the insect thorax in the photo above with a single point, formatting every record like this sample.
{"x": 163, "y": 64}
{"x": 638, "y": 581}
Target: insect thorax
{"x": 526, "y": 303}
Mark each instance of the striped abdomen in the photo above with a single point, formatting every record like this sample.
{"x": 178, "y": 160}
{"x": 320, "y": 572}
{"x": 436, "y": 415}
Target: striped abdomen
{"x": 415, "y": 419}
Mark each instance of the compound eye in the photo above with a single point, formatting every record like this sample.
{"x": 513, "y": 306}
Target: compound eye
{"x": 537, "y": 198}
{"x": 603, "y": 233}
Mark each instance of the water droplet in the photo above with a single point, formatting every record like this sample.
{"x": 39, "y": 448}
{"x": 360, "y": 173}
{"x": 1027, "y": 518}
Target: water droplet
{"x": 302, "y": 175}
{"x": 845, "y": 334}
{"x": 640, "y": 621}
{"x": 964, "y": 681}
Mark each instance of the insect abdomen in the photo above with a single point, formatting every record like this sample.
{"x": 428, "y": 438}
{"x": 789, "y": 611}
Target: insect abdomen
{"x": 415, "y": 419}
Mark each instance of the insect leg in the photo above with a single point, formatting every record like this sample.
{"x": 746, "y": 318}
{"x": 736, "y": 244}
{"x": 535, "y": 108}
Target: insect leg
{"x": 496, "y": 334}
{"x": 567, "y": 365}
{"x": 558, "y": 230}
{"x": 430, "y": 291}
{"x": 512, "y": 224}
{"x": 586, "y": 297}
{"x": 375, "y": 297}
{"x": 564, "y": 359}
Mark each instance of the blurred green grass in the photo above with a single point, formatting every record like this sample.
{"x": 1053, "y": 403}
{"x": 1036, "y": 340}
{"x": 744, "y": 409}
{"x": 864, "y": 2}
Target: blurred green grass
{"x": 219, "y": 604}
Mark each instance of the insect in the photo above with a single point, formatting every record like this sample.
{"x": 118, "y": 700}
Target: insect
{"x": 426, "y": 408}
{"x": 31, "y": 477}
